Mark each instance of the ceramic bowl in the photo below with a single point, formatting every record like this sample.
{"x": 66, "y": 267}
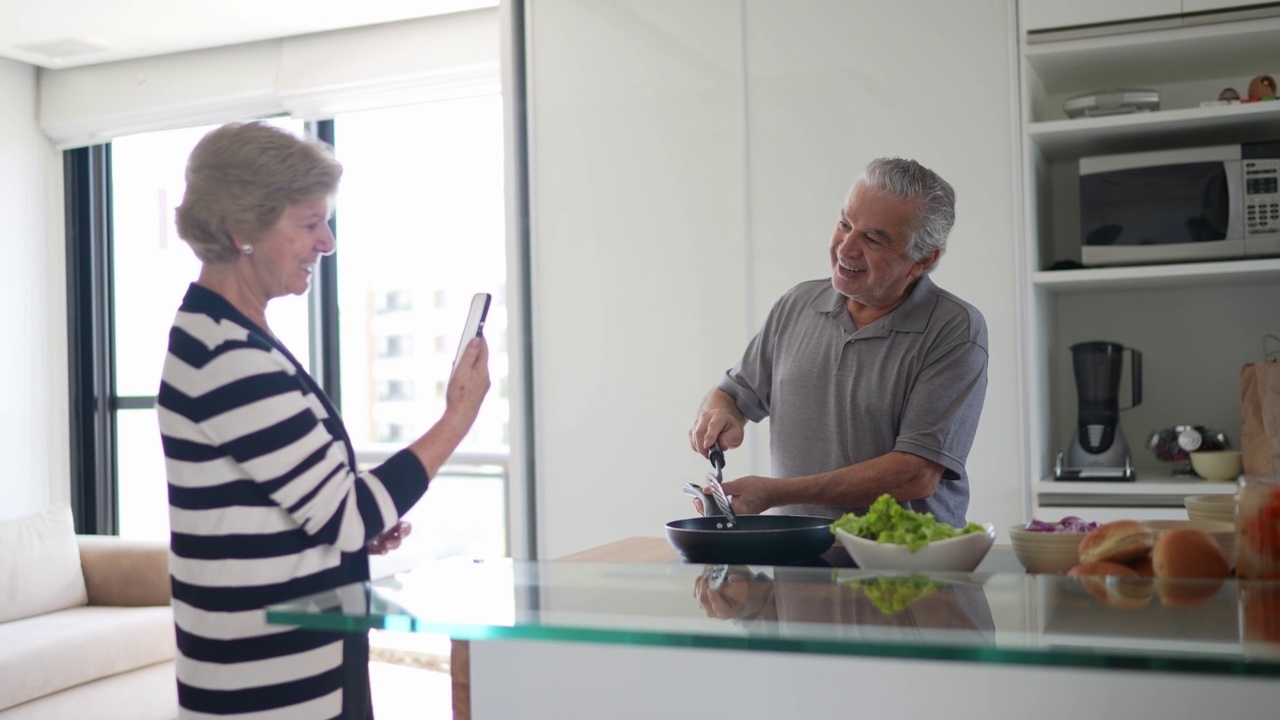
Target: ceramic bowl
{"x": 1046, "y": 552}
{"x": 1217, "y": 465}
{"x": 1218, "y": 508}
{"x": 957, "y": 554}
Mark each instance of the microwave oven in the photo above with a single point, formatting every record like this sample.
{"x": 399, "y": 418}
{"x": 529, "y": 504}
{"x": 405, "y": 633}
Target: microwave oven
{"x": 1190, "y": 204}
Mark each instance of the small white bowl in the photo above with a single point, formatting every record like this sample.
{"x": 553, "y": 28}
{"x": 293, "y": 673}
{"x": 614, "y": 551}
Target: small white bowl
{"x": 1046, "y": 552}
{"x": 1217, "y": 465}
{"x": 957, "y": 554}
{"x": 1211, "y": 507}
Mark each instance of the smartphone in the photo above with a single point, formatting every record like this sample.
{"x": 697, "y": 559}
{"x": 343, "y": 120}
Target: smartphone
{"x": 475, "y": 322}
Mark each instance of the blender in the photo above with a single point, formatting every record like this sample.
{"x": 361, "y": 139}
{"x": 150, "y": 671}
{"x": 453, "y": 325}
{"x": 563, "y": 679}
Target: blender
{"x": 1099, "y": 450}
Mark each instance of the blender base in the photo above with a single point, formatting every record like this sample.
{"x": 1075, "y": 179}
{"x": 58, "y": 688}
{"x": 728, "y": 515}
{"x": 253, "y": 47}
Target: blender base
{"x": 1124, "y": 473}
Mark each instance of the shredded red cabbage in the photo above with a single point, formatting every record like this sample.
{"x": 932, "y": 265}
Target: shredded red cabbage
{"x": 1070, "y": 523}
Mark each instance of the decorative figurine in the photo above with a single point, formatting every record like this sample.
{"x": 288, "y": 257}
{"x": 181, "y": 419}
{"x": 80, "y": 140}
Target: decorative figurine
{"x": 1228, "y": 95}
{"x": 1263, "y": 87}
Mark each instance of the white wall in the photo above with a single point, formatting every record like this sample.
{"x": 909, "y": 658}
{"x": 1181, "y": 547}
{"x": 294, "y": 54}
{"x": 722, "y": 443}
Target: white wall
{"x": 835, "y": 84}
{"x": 654, "y": 149}
{"x": 677, "y": 190}
{"x": 33, "y": 406}
{"x": 639, "y": 276}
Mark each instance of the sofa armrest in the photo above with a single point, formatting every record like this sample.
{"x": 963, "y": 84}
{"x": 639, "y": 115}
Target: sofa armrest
{"x": 124, "y": 572}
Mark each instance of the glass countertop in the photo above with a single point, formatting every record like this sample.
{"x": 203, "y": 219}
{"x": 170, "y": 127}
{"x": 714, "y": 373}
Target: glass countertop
{"x": 1214, "y": 627}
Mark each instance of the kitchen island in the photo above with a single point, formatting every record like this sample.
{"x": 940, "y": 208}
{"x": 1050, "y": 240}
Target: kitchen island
{"x": 629, "y": 631}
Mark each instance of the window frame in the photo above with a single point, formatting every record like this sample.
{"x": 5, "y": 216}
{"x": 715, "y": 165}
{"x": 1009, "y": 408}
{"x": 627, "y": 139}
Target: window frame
{"x": 90, "y": 338}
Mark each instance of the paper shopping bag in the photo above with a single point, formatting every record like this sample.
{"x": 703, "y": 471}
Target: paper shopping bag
{"x": 1260, "y": 416}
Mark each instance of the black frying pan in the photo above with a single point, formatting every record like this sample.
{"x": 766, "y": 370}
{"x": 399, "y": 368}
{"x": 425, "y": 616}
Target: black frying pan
{"x": 754, "y": 539}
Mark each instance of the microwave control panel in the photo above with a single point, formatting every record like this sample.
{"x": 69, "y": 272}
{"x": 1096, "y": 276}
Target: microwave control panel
{"x": 1262, "y": 196}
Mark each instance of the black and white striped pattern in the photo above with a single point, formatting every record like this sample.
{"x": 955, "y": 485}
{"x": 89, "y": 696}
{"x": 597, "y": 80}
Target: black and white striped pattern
{"x": 265, "y": 505}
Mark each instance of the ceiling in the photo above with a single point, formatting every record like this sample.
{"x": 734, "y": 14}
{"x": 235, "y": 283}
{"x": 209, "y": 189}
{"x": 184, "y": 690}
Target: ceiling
{"x": 68, "y": 33}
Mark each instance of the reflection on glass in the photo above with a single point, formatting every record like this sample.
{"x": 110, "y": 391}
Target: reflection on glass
{"x": 1042, "y": 620}
{"x": 774, "y": 598}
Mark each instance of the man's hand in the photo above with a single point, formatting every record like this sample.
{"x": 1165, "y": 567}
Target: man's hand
{"x": 751, "y": 494}
{"x": 718, "y": 422}
{"x": 722, "y": 592}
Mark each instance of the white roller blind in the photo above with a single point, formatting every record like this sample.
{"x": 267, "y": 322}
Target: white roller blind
{"x": 310, "y": 76}
{"x": 434, "y": 58}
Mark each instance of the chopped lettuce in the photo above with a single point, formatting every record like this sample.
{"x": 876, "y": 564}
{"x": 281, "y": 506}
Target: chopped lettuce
{"x": 888, "y": 522}
{"x": 892, "y": 595}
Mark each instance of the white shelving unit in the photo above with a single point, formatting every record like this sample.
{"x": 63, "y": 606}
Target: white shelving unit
{"x": 1196, "y": 324}
{"x": 1182, "y": 275}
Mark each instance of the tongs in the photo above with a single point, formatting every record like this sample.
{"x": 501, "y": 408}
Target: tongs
{"x": 716, "y": 456}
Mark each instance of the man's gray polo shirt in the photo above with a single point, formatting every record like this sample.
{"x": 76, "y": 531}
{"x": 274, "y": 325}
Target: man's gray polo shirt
{"x": 912, "y": 381}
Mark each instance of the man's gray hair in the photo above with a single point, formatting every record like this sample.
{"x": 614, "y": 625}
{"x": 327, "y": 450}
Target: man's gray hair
{"x": 936, "y": 201}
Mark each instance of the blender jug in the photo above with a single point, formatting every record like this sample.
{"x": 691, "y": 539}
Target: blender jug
{"x": 1098, "y": 440}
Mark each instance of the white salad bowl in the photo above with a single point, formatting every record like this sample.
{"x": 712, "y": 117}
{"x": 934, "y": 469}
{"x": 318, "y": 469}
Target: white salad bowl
{"x": 958, "y": 554}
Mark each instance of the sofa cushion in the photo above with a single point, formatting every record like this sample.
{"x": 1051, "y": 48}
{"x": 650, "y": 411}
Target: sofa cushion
{"x": 125, "y": 572}
{"x": 52, "y": 652}
{"x": 39, "y": 564}
{"x": 150, "y": 693}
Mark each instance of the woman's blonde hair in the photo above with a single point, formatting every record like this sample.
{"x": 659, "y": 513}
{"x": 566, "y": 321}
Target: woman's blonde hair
{"x": 241, "y": 178}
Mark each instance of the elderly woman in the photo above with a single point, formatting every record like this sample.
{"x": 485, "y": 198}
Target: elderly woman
{"x": 265, "y": 500}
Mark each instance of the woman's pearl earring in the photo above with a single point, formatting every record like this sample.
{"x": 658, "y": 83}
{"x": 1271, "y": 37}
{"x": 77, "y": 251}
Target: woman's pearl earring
{"x": 247, "y": 249}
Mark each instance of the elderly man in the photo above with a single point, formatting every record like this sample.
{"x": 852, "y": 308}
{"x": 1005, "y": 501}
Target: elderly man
{"x": 873, "y": 380}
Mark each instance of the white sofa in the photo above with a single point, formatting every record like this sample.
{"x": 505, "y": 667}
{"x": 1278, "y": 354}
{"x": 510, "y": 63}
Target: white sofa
{"x": 86, "y": 630}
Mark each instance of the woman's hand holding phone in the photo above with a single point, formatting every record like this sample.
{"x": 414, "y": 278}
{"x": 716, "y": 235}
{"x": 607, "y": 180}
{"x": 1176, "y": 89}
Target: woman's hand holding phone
{"x": 474, "y": 326}
{"x": 469, "y": 382}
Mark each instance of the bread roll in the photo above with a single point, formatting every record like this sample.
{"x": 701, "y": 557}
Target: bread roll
{"x": 1189, "y": 567}
{"x": 1103, "y": 568}
{"x": 1114, "y": 584}
{"x": 1189, "y": 553}
{"x": 1143, "y": 567}
{"x": 1119, "y": 541}
{"x": 1187, "y": 593}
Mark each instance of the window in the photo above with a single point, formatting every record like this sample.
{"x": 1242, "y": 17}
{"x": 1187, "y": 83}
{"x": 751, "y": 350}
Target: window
{"x": 422, "y": 197}
{"x": 394, "y": 346}
{"x": 393, "y": 433}
{"x": 394, "y": 300}
{"x": 395, "y": 390}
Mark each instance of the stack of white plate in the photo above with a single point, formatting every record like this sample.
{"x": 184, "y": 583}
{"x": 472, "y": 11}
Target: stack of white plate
{"x": 1213, "y": 508}
{"x": 1045, "y": 552}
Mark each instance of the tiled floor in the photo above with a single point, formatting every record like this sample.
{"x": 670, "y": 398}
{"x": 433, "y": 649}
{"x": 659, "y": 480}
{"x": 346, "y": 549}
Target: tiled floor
{"x": 409, "y": 674}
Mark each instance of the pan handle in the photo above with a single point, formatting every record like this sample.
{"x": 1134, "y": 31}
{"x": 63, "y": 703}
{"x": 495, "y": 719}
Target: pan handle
{"x": 694, "y": 490}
